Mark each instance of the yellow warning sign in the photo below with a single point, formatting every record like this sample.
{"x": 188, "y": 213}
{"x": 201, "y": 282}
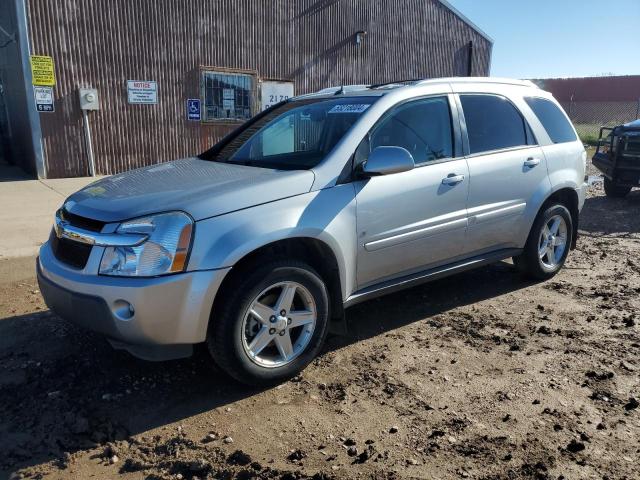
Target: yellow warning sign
{"x": 42, "y": 70}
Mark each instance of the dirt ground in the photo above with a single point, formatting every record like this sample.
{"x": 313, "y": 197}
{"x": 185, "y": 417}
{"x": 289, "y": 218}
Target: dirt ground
{"x": 481, "y": 375}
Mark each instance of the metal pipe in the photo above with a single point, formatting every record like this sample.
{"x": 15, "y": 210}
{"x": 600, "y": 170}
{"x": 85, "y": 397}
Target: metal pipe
{"x": 470, "y": 60}
{"x": 87, "y": 136}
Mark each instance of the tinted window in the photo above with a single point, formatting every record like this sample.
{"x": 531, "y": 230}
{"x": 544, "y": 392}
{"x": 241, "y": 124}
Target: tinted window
{"x": 423, "y": 127}
{"x": 296, "y": 135}
{"x": 493, "y": 123}
{"x": 552, "y": 119}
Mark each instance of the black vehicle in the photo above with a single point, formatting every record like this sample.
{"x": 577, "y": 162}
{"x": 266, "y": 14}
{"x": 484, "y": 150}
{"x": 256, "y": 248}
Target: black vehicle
{"x": 618, "y": 158}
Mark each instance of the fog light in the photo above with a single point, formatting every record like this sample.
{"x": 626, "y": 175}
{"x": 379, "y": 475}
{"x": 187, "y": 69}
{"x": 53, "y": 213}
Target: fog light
{"x": 123, "y": 309}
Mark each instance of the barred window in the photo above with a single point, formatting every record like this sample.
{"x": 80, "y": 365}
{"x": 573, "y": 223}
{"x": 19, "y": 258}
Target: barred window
{"x": 227, "y": 96}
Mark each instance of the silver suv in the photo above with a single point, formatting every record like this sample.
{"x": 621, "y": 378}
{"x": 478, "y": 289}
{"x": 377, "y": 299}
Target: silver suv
{"x": 258, "y": 245}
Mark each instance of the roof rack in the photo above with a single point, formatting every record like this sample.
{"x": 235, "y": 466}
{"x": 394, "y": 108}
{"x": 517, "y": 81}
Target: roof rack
{"x": 396, "y": 82}
{"x": 499, "y": 80}
{"x": 340, "y": 89}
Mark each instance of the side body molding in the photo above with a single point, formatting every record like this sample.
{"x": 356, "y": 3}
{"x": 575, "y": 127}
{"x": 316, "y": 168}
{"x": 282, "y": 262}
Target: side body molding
{"x": 432, "y": 227}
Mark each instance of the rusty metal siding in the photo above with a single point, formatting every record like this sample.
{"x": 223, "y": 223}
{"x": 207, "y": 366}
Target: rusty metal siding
{"x": 593, "y": 89}
{"x": 311, "y": 42}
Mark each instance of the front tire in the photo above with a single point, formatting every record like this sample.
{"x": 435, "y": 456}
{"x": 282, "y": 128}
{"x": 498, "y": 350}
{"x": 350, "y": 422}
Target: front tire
{"x": 272, "y": 324}
{"x": 613, "y": 190}
{"x": 548, "y": 243}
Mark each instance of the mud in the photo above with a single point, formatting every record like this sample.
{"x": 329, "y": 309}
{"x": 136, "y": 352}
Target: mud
{"x": 482, "y": 375}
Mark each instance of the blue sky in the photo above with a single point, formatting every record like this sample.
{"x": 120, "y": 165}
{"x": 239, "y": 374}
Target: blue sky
{"x": 559, "y": 38}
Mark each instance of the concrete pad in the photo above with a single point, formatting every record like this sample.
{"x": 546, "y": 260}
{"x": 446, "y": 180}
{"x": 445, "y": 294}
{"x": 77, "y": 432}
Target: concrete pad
{"x": 67, "y": 186}
{"x": 28, "y": 207}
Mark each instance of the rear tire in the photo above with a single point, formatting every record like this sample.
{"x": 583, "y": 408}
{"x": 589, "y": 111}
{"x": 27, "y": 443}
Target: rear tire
{"x": 612, "y": 190}
{"x": 548, "y": 243}
{"x": 260, "y": 339}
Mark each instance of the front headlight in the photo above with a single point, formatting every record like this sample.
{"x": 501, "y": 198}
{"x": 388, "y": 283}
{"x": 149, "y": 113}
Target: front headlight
{"x": 164, "y": 251}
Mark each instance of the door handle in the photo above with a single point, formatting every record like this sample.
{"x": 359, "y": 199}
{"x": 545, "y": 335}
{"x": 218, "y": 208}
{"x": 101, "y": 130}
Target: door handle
{"x": 452, "y": 179}
{"x": 531, "y": 162}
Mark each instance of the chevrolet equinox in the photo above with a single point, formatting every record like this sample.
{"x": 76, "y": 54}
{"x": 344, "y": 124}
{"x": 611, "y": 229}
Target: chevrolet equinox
{"x": 256, "y": 246}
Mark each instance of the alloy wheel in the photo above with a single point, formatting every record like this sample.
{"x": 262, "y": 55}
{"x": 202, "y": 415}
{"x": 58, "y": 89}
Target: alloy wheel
{"x": 279, "y": 324}
{"x": 552, "y": 242}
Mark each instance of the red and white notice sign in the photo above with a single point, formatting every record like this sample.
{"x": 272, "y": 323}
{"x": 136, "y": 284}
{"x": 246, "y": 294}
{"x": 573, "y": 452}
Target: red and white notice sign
{"x": 142, "y": 91}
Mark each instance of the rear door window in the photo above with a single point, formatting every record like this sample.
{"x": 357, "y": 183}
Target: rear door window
{"x": 552, "y": 119}
{"x": 494, "y": 123}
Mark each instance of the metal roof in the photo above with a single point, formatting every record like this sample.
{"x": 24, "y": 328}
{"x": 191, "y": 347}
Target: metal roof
{"x": 466, "y": 20}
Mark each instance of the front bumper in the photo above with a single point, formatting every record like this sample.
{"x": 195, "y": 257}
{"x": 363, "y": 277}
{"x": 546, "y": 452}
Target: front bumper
{"x": 168, "y": 314}
{"x": 602, "y": 162}
{"x": 624, "y": 169}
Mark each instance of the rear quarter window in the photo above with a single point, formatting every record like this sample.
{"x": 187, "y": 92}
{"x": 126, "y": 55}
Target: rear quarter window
{"x": 553, "y": 120}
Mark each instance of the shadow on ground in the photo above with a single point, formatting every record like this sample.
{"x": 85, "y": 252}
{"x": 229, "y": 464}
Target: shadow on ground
{"x": 64, "y": 390}
{"x": 611, "y": 216}
{"x": 12, "y": 173}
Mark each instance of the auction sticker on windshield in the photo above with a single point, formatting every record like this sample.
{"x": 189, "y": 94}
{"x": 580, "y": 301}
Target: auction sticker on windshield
{"x": 350, "y": 108}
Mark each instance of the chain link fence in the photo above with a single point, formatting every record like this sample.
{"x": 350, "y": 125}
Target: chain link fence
{"x": 588, "y": 117}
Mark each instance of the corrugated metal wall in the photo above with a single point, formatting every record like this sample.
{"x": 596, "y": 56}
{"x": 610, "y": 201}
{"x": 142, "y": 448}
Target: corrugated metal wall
{"x": 620, "y": 88}
{"x": 312, "y": 42}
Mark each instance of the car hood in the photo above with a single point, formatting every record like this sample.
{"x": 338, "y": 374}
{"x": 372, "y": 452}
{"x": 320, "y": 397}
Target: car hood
{"x": 199, "y": 187}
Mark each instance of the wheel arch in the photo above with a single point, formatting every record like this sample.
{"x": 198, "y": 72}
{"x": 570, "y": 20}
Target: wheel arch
{"x": 568, "y": 197}
{"x": 318, "y": 254}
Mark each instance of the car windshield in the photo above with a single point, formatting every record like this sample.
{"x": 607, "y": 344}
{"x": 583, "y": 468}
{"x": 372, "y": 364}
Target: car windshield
{"x": 294, "y": 136}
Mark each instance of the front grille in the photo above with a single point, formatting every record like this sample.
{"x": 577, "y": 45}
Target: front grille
{"x": 633, "y": 146}
{"x": 74, "y": 254}
{"x": 82, "y": 222}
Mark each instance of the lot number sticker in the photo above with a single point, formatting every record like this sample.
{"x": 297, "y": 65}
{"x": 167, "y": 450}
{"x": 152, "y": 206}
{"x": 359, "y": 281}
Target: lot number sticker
{"x": 44, "y": 99}
{"x": 350, "y": 108}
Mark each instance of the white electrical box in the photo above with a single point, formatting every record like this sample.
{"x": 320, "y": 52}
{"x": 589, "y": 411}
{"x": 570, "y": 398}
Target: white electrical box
{"x": 89, "y": 99}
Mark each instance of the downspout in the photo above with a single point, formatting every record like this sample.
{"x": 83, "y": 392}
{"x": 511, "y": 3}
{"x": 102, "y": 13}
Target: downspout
{"x": 470, "y": 60}
{"x": 33, "y": 116}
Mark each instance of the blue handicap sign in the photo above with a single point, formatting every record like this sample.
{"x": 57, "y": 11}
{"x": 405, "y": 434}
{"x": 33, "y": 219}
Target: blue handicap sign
{"x": 193, "y": 109}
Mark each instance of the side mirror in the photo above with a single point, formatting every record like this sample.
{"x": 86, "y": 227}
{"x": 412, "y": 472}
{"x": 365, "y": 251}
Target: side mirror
{"x": 388, "y": 160}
